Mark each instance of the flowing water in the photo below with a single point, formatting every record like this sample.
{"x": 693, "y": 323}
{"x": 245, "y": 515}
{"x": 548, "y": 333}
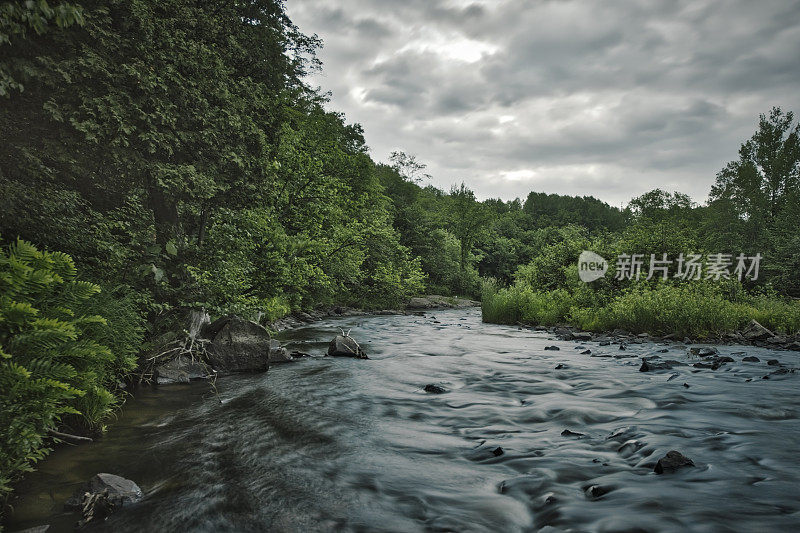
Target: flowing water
{"x": 330, "y": 444}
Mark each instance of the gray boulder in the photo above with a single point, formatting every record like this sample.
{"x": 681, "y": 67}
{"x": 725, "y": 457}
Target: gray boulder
{"x": 755, "y": 331}
{"x": 238, "y": 345}
{"x": 345, "y": 346}
{"x": 181, "y": 369}
{"x": 277, "y": 353}
{"x": 102, "y": 495}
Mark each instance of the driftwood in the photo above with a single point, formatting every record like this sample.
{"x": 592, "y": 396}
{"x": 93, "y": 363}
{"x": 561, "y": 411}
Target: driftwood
{"x": 67, "y": 436}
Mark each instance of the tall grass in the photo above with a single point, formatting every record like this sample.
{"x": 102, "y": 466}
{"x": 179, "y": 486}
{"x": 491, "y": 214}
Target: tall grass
{"x": 698, "y": 310}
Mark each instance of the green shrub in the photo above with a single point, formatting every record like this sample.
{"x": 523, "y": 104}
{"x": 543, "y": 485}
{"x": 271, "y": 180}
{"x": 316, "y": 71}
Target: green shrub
{"x": 695, "y": 309}
{"x": 51, "y": 363}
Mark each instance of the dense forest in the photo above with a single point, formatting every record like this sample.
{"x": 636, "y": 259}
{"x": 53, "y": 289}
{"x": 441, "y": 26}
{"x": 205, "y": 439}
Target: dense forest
{"x": 167, "y": 155}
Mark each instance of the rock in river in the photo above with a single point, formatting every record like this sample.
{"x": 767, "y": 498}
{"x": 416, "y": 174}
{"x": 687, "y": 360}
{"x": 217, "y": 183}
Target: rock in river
{"x": 345, "y": 346}
{"x": 755, "y": 331}
{"x": 102, "y": 495}
{"x": 671, "y": 462}
{"x": 434, "y": 389}
{"x": 180, "y": 369}
{"x": 653, "y": 364}
{"x": 239, "y": 345}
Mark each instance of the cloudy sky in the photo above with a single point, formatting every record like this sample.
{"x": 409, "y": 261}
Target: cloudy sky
{"x": 609, "y": 99}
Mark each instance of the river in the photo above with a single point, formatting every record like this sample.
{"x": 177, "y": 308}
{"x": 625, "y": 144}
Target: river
{"x": 332, "y": 444}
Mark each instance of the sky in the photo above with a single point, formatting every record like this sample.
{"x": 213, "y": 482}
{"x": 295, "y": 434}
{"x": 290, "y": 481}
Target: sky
{"x": 602, "y": 98}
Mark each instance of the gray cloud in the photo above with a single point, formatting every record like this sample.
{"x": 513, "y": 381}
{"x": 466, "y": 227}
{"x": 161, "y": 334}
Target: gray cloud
{"x": 601, "y": 98}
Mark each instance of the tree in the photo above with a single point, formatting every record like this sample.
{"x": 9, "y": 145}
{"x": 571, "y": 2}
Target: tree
{"x": 468, "y": 219}
{"x": 760, "y": 183}
{"x": 408, "y": 167}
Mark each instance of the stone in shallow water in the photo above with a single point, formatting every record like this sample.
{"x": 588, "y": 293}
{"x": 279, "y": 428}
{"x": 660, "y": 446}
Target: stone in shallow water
{"x": 672, "y": 462}
{"x": 102, "y": 495}
{"x": 568, "y": 433}
{"x": 773, "y": 362}
{"x": 704, "y": 351}
{"x": 434, "y": 389}
{"x": 238, "y": 345}
{"x": 553, "y": 348}
{"x": 345, "y": 346}
{"x": 751, "y": 359}
{"x": 714, "y": 363}
{"x": 597, "y": 491}
{"x": 652, "y": 365}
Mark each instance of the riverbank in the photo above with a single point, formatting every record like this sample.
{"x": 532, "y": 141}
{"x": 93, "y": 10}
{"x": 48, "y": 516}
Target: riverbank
{"x": 414, "y": 305}
{"x": 700, "y": 312}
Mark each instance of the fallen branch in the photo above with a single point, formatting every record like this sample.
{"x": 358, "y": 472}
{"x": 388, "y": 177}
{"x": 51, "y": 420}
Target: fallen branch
{"x": 67, "y": 436}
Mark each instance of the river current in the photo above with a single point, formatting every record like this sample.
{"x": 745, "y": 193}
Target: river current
{"x": 334, "y": 444}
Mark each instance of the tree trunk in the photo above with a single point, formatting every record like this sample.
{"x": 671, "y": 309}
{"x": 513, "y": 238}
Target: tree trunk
{"x": 201, "y": 231}
{"x": 165, "y": 213}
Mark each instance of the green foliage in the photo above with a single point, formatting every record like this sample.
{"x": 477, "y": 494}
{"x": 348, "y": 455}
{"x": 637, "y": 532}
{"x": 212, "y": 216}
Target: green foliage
{"x": 700, "y": 310}
{"x": 52, "y": 363}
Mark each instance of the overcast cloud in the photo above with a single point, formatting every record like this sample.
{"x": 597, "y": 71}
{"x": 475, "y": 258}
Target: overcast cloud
{"x": 609, "y": 99}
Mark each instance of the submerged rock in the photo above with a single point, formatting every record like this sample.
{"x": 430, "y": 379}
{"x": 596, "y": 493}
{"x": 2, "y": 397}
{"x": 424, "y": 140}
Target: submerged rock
{"x": 597, "y": 491}
{"x": 552, "y": 348}
{"x": 751, "y": 359}
{"x": 773, "y": 362}
{"x": 434, "y": 389}
{"x": 345, "y": 346}
{"x": 568, "y": 433}
{"x": 672, "y": 462}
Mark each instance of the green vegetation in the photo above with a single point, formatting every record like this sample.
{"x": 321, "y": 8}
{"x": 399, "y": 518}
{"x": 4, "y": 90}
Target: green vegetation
{"x": 175, "y": 157}
{"x": 53, "y": 367}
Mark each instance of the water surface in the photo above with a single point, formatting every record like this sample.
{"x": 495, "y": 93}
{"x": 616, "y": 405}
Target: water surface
{"x": 329, "y": 444}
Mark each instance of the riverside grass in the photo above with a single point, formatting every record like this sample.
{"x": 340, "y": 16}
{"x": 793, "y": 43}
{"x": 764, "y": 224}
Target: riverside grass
{"x": 700, "y": 310}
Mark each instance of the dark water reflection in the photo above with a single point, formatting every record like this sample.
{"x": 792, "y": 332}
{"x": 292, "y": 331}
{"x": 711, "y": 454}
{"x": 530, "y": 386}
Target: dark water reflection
{"x": 327, "y": 444}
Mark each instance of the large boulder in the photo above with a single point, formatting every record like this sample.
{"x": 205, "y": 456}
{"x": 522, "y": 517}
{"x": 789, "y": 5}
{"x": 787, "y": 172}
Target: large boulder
{"x": 238, "y": 345}
{"x": 755, "y": 332}
{"x": 345, "y": 346}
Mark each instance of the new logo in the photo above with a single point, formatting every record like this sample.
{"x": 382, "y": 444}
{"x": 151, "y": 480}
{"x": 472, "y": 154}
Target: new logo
{"x": 591, "y": 266}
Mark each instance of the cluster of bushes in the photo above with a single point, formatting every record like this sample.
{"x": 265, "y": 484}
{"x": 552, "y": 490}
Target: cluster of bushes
{"x": 698, "y": 310}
